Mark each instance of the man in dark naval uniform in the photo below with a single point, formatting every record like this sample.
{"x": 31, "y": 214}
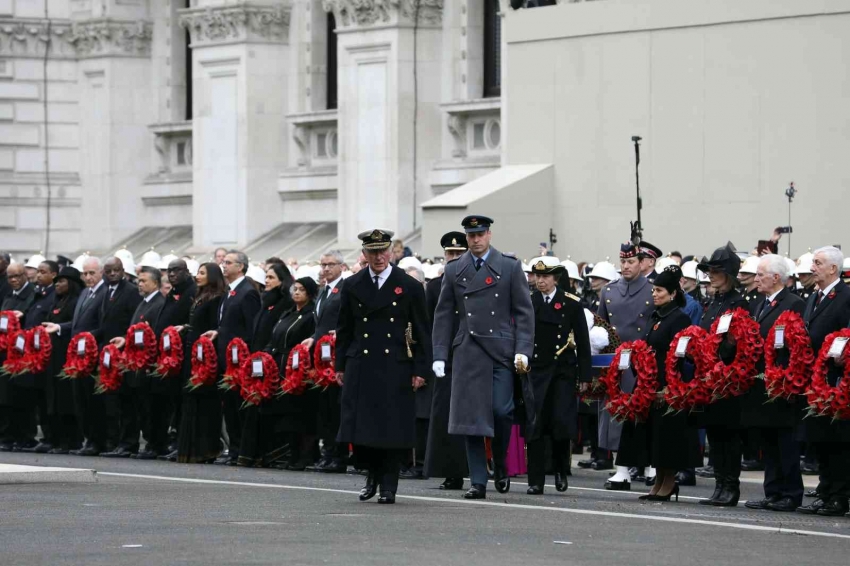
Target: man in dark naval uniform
{"x": 383, "y": 350}
{"x": 648, "y": 255}
{"x": 489, "y": 292}
{"x": 445, "y": 456}
{"x": 561, "y": 356}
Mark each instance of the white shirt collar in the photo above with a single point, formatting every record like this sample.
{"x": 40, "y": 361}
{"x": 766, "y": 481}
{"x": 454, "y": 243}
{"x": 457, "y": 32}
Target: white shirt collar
{"x": 382, "y": 276}
{"x": 150, "y": 297}
{"x": 97, "y": 286}
{"x": 773, "y": 296}
{"x": 21, "y": 290}
{"x": 550, "y": 295}
{"x": 336, "y": 281}
{"x": 236, "y": 283}
{"x": 831, "y": 286}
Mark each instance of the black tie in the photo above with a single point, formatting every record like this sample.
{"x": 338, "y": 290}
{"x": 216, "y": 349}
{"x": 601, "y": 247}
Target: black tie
{"x": 819, "y": 299}
{"x": 112, "y": 291}
{"x": 323, "y": 298}
{"x": 547, "y": 299}
{"x": 478, "y": 263}
{"x": 376, "y": 282}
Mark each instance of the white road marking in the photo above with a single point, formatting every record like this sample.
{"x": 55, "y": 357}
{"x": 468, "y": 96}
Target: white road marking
{"x": 131, "y": 546}
{"x": 479, "y": 503}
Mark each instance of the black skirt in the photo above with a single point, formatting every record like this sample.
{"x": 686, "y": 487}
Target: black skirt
{"x": 200, "y": 428}
{"x": 663, "y": 441}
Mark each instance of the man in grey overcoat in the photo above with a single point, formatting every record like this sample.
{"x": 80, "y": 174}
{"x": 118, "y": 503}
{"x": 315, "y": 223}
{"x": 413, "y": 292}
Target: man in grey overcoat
{"x": 488, "y": 291}
{"x": 626, "y": 304}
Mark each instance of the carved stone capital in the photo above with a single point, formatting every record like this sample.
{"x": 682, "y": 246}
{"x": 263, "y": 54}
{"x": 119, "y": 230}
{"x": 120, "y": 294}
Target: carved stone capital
{"x": 237, "y": 24}
{"x": 107, "y": 38}
{"x": 352, "y": 14}
{"x": 30, "y": 38}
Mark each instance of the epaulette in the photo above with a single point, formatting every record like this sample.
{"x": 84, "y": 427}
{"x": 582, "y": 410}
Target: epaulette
{"x": 513, "y": 257}
{"x": 573, "y": 297}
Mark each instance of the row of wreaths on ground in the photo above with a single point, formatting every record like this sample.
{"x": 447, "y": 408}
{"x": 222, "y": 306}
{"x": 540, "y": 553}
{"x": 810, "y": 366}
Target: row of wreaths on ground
{"x": 256, "y": 376}
{"x": 713, "y": 380}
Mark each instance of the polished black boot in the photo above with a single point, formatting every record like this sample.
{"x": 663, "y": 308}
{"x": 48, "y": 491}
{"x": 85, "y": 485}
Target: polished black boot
{"x": 718, "y": 487}
{"x": 535, "y": 490}
{"x": 730, "y": 492}
{"x": 561, "y": 482}
{"x": 370, "y": 489}
{"x": 477, "y": 491}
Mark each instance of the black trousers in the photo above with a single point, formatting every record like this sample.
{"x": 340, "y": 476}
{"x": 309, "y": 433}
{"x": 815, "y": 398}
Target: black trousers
{"x": 834, "y": 461}
{"x": 66, "y": 431}
{"x": 231, "y": 402}
{"x": 416, "y": 457}
{"x": 91, "y": 412}
{"x": 536, "y": 450}
{"x": 383, "y": 463}
{"x": 159, "y": 419}
{"x": 782, "y": 477}
{"x": 726, "y": 446}
{"x": 135, "y": 404}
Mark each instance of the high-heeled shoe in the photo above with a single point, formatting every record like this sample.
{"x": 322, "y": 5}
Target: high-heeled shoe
{"x": 645, "y": 497}
{"x": 667, "y": 497}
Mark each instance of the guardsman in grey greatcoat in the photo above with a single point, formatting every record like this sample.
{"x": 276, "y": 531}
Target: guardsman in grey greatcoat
{"x": 626, "y": 305}
{"x": 489, "y": 292}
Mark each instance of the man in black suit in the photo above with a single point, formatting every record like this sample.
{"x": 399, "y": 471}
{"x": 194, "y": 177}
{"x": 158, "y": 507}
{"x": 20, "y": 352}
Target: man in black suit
{"x": 239, "y": 307}
{"x": 774, "y": 420}
{"x": 334, "y": 456}
{"x": 134, "y": 395}
{"x": 827, "y": 311}
{"x": 120, "y": 299}
{"x": 383, "y": 350}
{"x": 90, "y": 409}
{"x": 165, "y": 392}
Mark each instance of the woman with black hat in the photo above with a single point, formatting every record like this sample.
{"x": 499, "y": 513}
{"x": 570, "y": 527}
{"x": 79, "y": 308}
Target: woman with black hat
{"x": 59, "y": 391}
{"x": 291, "y": 419}
{"x": 722, "y": 419}
{"x": 664, "y": 441}
{"x": 561, "y": 357}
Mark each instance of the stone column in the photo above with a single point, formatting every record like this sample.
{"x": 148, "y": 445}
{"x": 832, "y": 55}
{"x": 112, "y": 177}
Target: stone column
{"x": 240, "y": 75}
{"x": 112, "y": 41}
{"x": 377, "y": 111}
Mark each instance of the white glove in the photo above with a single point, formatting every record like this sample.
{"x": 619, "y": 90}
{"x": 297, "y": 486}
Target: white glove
{"x": 521, "y": 361}
{"x": 598, "y": 339}
{"x": 439, "y": 368}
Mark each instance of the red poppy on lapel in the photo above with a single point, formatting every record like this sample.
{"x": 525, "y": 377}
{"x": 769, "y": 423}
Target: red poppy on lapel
{"x": 335, "y": 290}
{"x": 489, "y": 281}
{"x": 831, "y": 294}
{"x": 55, "y": 311}
{"x": 657, "y": 324}
{"x": 142, "y": 317}
{"x": 398, "y": 291}
{"x": 271, "y": 308}
{"x": 233, "y": 293}
{"x": 176, "y": 297}
{"x": 557, "y": 306}
{"x": 772, "y": 304}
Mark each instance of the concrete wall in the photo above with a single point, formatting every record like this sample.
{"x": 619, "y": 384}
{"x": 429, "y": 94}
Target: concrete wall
{"x": 733, "y": 99}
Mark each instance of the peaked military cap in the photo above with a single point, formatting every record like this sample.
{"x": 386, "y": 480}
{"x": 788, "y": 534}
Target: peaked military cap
{"x": 547, "y": 265}
{"x": 649, "y": 250}
{"x": 476, "y": 223}
{"x": 376, "y": 239}
{"x": 454, "y": 242}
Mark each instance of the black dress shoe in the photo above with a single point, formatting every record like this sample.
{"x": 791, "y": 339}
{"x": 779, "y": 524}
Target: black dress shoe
{"x": 812, "y": 508}
{"x": 635, "y": 473}
{"x": 370, "y": 489}
{"x": 809, "y": 468}
{"x": 762, "y": 503}
{"x": 837, "y": 507}
{"x": 147, "y": 455}
{"x": 59, "y": 451}
{"x": 752, "y": 466}
{"x": 561, "y": 482}
{"x": 717, "y": 488}
{"x": 728, "y": 497}
{"x": 386, "y": 498}
{"x": 221, "y": 460}
{"x": 686, "y": 478}
{"x": 170, "y": 457}
{"x": 5, "y": 447}
{"x": 784, "y": 505}
{"x": 452, "y": 484}
{"x": 333, "y": 467}
{"x": 535, "y": 490}
{"x": 705, "y": 472}
{"x": 232, "y": 461}
{"x": 118, "y": 453}
{"x": 599, "y": 465}
{"x": 477, "y": 491}
{"x": 503, "y": 483}
{"x": 585, "y": 464}
{"x": 89, "y": 450}
{"x": 409, "y": 474}
{"x": 40, "y": 448}
{"x": 811, "y": 493}
{"x": 624, "y": 485}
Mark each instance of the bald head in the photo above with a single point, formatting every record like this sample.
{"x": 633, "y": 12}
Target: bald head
{"x": 17, "y": 276}
{"x": 113, "y": 269}
{"x": 178, "y": 272}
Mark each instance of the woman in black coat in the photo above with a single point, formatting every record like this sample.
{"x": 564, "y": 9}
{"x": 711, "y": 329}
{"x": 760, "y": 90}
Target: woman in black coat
{"x": 199, "y": 439}
{"x": 62, "y": 412}
{"x": 276, "y": 300}
{"x": 664, "y": 441}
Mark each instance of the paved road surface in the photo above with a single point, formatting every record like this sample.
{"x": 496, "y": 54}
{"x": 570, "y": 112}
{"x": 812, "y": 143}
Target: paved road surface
{"x": 161, "y": 513}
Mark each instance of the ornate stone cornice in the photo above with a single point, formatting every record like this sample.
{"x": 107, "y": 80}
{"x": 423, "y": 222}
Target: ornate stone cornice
{"x": 86, "y": 39}
{"x": 106, "y": 37}
{"x": 352, "y": 14}
{"x": 239, "y": 23}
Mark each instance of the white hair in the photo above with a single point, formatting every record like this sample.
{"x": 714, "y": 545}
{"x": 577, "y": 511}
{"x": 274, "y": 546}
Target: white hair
{"x": 832, "y": 255}
{"x": 336, "y": 255}
{"x": 416, "y": 273}
{"x": 776, "y": 265}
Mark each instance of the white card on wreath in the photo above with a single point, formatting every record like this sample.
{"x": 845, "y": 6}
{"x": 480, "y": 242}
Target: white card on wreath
{"x": 81, "y": 347}
{"x": 326, "y": 352}
{"x": 234, "y": 355}
{"x": 36, "y": 341}
{"x": 837, "y": 348}
{"x": 200, "y": 354}
{"x": 257, "y": 368}
{"x": 166, "y": 342}
{"x": 625, "y": 359}
{"x": 725, "y": 322}
{"x": 682, "y": 346}
{"x": 107, "y": 360}
{"x": 4, "y": 323}
{"x": 20, "y": 343}
{"x": 295, "y": 360}
{"x": 779, "y": 338}
{"x": 139, "y": 338}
